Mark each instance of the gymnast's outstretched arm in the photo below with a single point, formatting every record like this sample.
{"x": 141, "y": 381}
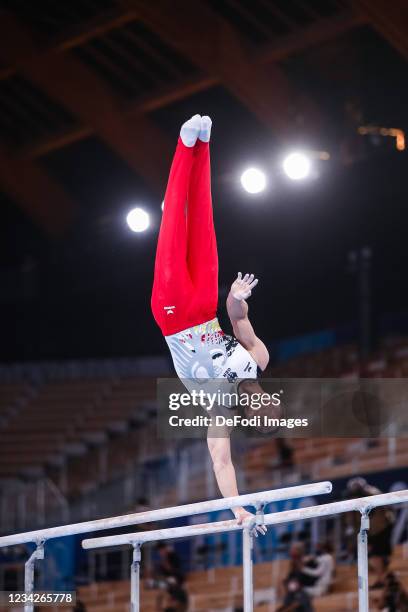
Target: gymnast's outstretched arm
{"x": 237, "y": 309}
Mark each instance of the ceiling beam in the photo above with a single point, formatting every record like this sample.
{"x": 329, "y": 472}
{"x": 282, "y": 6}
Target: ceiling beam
{"x": 322, "y": 30}
{"x": 315, "y": 34}
{"x": 73, "y": 37}
{"x": 206, "y": 39}
{"x": 67, "y": 80}
{"x": 29, "y": 185}
{"x": 390, "y": 19}
{"x": 167, "y": 95}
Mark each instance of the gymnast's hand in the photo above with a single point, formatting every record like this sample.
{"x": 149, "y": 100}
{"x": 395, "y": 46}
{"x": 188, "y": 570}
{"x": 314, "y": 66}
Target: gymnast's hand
{"x": 241, "y": 288}
{"x": 242, "y": 515}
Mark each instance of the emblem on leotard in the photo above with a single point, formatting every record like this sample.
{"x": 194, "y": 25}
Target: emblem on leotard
{"x": 230, "y": 375}
{"x": 206, "y": 358}
{"x": 230, "y": 344}
{"x": 199, "y": 353}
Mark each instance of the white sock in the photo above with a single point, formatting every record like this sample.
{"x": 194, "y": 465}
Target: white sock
{"x": 205, "y": 131}
{"x": 190, "y": 130}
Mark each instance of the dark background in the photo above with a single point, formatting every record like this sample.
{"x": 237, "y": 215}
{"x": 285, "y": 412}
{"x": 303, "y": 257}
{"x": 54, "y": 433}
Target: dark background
{"x": 85, "y": 291}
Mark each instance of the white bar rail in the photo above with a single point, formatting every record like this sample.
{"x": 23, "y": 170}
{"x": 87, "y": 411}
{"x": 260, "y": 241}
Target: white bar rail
{"x": 363, "y": 505}
{"x": 226, "y": 503}
{"x": 257, "y": 500}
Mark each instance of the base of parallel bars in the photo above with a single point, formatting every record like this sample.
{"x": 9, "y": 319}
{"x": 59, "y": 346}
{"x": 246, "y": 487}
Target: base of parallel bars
{"x": 29, "y": 569}
{"x": 247, "y": 548}
{"x": 362, "y": 559}
{"x": 135, "y": 578}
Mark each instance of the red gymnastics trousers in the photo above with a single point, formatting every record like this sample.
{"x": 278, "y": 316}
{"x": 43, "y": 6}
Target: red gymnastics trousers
{"x": 185, "y": 288}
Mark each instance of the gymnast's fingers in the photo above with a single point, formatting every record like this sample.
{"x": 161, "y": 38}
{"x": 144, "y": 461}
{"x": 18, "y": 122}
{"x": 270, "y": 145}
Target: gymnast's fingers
{"x": 259, "y": 530}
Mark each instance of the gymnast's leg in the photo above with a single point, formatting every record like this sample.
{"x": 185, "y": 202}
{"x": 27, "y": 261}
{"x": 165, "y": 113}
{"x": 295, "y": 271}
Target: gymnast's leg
{"x": 202, "y": 257}
{"x": 172, "y": 287}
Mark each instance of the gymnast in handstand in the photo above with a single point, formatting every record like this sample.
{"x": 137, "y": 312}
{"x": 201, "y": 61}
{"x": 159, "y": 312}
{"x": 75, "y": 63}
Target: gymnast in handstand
{"x": 185, "y": 294}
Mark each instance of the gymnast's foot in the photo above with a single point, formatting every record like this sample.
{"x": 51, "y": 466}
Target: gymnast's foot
{"x": 190, "y": 130}
{"x": 205, "y": 131}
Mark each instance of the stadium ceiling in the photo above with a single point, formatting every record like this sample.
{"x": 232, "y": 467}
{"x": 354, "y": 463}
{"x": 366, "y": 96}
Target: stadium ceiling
{"x": 69, "y": 70}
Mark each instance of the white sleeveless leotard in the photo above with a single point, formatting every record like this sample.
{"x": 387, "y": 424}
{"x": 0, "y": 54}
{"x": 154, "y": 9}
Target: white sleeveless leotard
{"x": 206, "y": 358}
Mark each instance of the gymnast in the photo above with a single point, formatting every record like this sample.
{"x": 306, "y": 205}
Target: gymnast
{"x": 185, "y": 295}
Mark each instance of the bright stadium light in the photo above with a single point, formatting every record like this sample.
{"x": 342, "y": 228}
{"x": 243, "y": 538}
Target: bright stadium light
{"x": 297, "y": 166}
{"x": 253, "y": 180}
{"x": 162, "y": 205}
{"x": 138, "y": 220}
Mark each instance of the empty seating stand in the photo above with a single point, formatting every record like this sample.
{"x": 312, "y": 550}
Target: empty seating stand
{"x": 84, "y": 432}
{"x": 43, "y": 427}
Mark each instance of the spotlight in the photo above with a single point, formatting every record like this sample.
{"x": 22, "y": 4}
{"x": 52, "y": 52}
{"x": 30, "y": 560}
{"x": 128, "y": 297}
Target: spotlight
{"x": 297, "y": 166}
{"x": 162, "y": 205}
{"x": 253, "y": 180}
{"x": 138, "y": 220}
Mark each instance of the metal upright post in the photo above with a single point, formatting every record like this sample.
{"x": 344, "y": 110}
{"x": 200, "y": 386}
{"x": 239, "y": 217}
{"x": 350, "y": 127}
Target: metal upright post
{"x": 247, "y": 555}
{"x": 362, "y": 558}
{"x": 29, "y": 569}
{"x": 248, "y": 542}
{"x": 135, "y": 579}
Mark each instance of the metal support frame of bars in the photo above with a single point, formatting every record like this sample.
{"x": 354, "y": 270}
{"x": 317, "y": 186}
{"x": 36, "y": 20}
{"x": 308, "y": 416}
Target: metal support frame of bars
{"x": 363, "y": 505}
{"x": 257, "y": 500}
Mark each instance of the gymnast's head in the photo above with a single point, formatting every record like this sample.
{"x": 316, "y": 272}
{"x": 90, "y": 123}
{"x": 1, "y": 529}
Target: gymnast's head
{"x": 255, "y": 401}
